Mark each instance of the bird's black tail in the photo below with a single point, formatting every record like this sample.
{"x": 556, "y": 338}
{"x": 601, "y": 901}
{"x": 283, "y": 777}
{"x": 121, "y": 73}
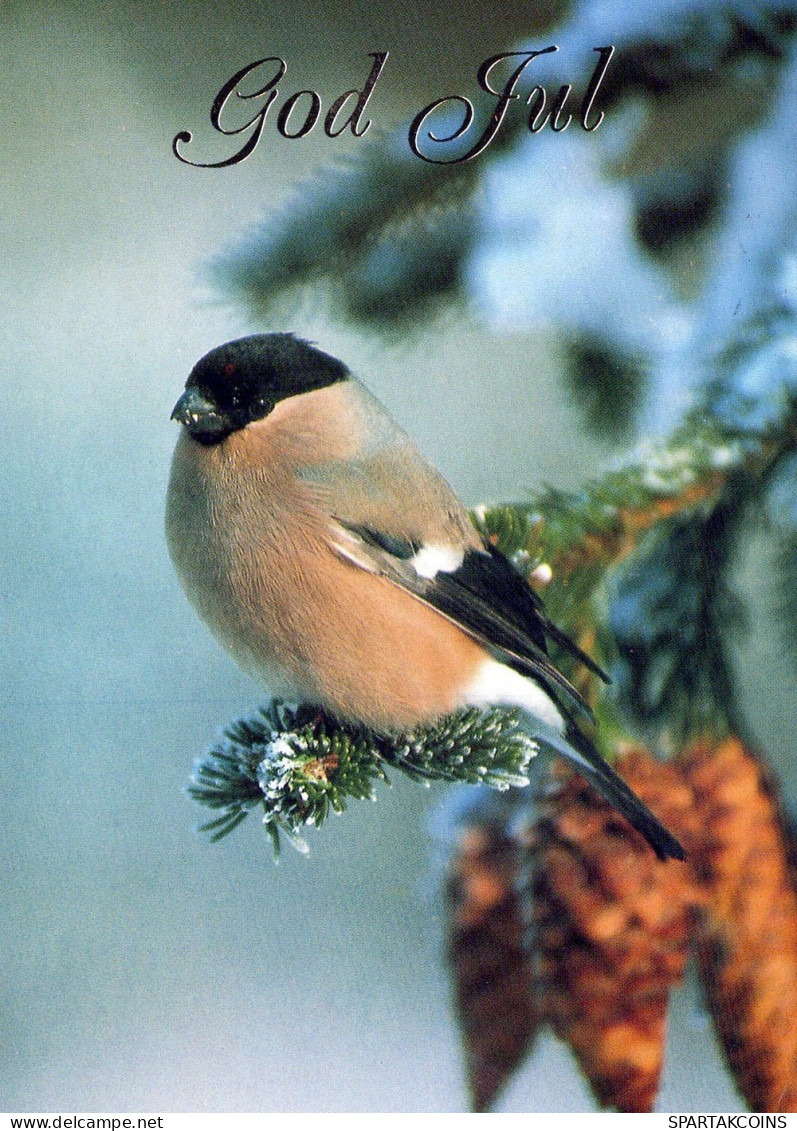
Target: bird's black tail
{"x": 577, "y": 749}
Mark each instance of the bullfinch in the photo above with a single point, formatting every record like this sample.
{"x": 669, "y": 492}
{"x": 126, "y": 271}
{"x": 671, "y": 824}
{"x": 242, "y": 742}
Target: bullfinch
{"x": 338, "y": 566}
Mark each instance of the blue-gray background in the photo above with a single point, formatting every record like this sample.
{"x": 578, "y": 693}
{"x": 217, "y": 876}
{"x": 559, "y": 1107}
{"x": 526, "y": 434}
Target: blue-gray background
{"x": 143, "y": 968}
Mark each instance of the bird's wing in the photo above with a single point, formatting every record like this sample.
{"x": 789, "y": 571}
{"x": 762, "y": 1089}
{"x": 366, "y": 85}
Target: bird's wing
{"x": 477, "y": 589}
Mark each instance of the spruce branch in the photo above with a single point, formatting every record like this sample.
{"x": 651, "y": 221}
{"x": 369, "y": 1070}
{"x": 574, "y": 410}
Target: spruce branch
{"x": 590, "y": 530}
{"x": 297, "y": 764}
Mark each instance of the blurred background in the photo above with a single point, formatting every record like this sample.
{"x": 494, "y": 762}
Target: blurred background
{"x": 145, "y": 969}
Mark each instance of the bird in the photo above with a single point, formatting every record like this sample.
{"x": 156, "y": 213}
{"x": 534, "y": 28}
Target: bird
{"x": 337, "y": 565}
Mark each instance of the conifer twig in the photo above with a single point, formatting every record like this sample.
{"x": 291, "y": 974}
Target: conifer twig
{"x": 298, "y": 765}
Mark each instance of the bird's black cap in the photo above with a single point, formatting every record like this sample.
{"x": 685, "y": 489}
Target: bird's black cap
{"x": 243, "y": 380}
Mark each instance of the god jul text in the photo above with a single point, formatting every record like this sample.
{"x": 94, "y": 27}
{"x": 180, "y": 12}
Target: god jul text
{"x": 300, "y": 112}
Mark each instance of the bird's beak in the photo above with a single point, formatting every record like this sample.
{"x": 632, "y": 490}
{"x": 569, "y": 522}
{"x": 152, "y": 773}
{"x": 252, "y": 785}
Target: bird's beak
{"x": 202, "y": 418}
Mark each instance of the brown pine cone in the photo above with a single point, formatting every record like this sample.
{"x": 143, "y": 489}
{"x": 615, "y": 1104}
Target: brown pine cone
{"x": 613, "y": 926}
{"x": 747, "y": 941}
{"x": 487, "y": 954}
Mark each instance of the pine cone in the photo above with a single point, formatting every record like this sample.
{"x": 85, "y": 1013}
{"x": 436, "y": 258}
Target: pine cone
{"x": 613, "y": 926}
{"x": 487, "y": 953}
{"x": 748, "y": 932}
